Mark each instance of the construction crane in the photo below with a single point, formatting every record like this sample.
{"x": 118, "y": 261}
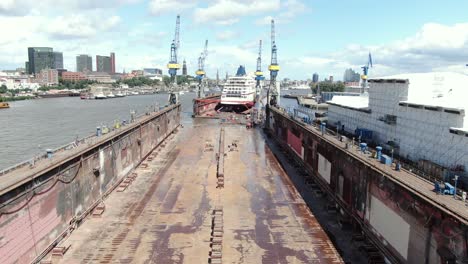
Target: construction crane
{"x": 259, "y": 74}
{"x": 272, "y": 94}
{"x": 173, "y": 65}
{"x": 365, "y": 71}
{"x": 201, "y": 68}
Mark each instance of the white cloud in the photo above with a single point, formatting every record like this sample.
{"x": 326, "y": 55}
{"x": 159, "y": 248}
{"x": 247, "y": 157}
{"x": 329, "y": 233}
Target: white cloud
{"x": 289, "y": 10}
{"x": 80, "y": 26}
{"x": 226, "y": 35}
{"x": 34, "y": 7}
{"x": 226, "y": 12}
{"x": 434, "y": 47}
{"x": 159, "y": 7}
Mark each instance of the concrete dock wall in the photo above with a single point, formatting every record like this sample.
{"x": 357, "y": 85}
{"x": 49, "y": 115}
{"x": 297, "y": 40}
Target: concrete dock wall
{"x": 406, "y": 226}
{"x": 46, "y": 205}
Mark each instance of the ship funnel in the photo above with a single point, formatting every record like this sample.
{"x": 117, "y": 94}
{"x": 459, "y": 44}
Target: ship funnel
{"x": 241, "y": 71}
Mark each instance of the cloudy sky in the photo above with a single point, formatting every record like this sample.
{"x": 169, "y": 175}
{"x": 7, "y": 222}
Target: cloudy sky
{"x": 324, "y": 36}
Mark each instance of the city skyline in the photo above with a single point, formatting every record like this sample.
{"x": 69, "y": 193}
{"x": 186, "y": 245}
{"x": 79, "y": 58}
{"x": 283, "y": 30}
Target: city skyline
{"x": 310, "y": 36}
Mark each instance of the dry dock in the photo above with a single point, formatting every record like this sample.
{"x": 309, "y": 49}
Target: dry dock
{"x": 181, "y": 209}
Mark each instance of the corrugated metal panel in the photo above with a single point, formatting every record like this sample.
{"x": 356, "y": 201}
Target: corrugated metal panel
{"x": 295, "y": 142}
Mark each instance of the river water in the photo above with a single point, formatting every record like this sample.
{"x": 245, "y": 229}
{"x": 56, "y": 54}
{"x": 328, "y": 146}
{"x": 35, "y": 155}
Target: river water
{"x": 30, "y": 127}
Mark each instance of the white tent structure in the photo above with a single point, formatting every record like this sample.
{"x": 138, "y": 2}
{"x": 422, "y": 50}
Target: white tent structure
{"x": 424, "y": 115}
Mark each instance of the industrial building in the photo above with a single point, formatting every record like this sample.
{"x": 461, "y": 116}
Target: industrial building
{"x": 73, "y": 76}
{"x": 421, "y": 116}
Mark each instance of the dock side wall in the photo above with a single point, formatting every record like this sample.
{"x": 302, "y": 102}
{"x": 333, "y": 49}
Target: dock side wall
{"x": 205, "y": 106}
{"x": 34, "y": 215}
{"x": 404, "y": 226}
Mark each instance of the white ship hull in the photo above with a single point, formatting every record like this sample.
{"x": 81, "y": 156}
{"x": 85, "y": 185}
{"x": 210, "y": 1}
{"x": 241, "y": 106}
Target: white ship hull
{"x": 239, "y": 90}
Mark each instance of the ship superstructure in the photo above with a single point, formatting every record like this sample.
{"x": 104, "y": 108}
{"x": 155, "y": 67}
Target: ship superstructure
{"x": 239, "y": 91}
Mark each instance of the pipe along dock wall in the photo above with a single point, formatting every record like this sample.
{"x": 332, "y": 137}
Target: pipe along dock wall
{"x": 406, "y": 226}
{"x": 36, "y": 213}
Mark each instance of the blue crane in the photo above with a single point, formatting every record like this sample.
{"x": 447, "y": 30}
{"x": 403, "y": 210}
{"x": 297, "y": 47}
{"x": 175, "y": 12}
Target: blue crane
{"x": 365, "y": 70}
{"x": 201, "y": 68}
{"x": 173, "y": 65}
{"x": 273, "y": 68}
{"x": 259, "y": 74}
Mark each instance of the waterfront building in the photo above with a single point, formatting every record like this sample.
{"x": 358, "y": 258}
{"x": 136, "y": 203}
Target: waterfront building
{"x": 103, "y": 64}
{"x": 58, "y": 60}
{"x": 101, "y": 77}
{"x": 14, "y": 80}
{"x": 315, "y": 78}
{"x": 184, "y": 68}
{"x": 73, "y": 76}
{"x": 112, "y": 62}
{"x": 137, "y": 73}
{"x": 151, "y": 71}
{"x": 47, "y": 77}
{"x": 351, "y": 76}
{"x": 421, "y": 116}
{"x": 84, "y": 63}
{"x": 40, "y": 58}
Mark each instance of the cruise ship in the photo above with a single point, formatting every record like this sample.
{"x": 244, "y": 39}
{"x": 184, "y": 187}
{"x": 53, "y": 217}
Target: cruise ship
{"x": 238, "y": 93}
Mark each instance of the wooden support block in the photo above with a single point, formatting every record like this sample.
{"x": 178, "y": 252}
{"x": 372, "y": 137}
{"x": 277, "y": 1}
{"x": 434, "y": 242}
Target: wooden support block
{"x": 60, "y": 251}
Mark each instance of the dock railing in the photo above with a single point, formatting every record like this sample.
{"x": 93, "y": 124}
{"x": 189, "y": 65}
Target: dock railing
{"x": 405, "y": 165}
{"x": 90, "y": 139}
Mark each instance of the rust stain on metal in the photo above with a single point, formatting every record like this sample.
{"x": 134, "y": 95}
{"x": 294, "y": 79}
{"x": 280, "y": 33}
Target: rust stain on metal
{"x": 168, "y": 214}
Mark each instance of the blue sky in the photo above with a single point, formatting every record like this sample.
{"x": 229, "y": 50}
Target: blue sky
{"x": 312, "y": 36}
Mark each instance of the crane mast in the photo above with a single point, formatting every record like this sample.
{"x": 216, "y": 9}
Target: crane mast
{"x": 272, "y": 94}
{"x": 201, "y": 68}
{"x": 259, "y": 74}
{"x": 173, "y": 65}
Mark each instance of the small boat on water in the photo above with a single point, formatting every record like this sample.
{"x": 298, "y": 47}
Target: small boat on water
{"x": 100, "y": 96}
{"x": 86, "y": 96}
{"x": 111, "y": 95}
{"x": 4, "y": 105}
{"x": 120, "y": 94}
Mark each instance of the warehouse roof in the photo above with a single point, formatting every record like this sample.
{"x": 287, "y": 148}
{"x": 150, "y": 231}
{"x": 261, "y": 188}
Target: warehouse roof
{"x": 357, "y": 102}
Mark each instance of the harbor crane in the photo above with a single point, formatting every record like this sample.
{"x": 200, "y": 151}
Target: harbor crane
{"x": 272, "y": 94}
{"x": 201, "y": 69}
{"x": 173, "y": 65}
{"x": 365, "y": 71}
{"x": 259, "y": 74}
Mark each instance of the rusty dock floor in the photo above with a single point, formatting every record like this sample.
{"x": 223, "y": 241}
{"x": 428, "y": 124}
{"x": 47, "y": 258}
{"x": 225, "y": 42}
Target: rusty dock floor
{"x": 179, "y": 210}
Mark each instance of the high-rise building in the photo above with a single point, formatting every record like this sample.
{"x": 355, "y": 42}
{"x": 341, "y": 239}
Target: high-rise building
{"x": 58, "y": 60}
{"x": 84, "y": 63}
{"x": 351, "y": 76}
{"x": 184, "y": 68}
{"x": 112, "y": 61}
{"x": 103, "y": 64}
{"x": 40, "y": 58}
{"x": 315, "y": 78}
